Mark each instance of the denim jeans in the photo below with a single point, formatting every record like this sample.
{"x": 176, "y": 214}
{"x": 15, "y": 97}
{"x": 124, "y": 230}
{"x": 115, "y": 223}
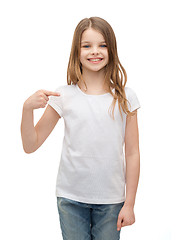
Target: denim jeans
{"x": 83, "y": 221}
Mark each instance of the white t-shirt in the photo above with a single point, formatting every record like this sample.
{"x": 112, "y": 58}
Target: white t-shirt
{"x": 92, "y": 163}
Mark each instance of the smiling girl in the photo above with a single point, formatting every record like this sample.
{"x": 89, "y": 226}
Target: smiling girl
{"x": 100, "y": 156}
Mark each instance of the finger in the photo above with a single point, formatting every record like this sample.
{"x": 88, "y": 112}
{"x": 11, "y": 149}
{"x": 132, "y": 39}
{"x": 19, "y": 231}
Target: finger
{"x": 46, "y": 97}
{"x": 50, "y": 93}
{"x": 123, "y": 224}
{"x": 119, "y": 224}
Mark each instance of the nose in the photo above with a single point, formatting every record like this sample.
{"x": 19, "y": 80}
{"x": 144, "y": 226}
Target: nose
{"x": 94, "y": 50}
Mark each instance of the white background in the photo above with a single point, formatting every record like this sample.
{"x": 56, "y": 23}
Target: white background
{"x": 35, "y": 43}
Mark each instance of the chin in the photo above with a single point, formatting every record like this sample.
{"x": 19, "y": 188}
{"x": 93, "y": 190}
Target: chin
{"x": 95, "y": 68}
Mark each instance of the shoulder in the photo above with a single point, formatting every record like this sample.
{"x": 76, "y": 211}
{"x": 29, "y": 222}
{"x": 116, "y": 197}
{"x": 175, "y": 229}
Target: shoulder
{"x": 65, "y": 90}
{"x": 129, "y": 92}
{"x": 131, "y": 96}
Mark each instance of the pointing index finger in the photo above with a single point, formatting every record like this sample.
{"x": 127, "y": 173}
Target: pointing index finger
{"x": 50, "y": 93}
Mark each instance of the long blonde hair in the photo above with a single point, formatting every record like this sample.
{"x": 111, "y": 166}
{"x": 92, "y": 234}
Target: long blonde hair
{"x": 115, "y": 74}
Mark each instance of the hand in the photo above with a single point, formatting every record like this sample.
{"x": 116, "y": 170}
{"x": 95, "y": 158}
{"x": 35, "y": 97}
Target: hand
{"x": 126, "y": 217}
{"x": 39, "y": 99}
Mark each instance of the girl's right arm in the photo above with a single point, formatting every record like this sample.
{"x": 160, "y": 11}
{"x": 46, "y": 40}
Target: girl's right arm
{"x": 33, "y": 137}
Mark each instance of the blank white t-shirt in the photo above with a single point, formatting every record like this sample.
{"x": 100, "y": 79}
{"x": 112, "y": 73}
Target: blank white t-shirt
{"x": 92, "y": 162}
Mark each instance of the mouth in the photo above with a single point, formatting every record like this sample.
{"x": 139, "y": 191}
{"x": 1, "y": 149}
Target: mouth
{"x": 95, "y": 60}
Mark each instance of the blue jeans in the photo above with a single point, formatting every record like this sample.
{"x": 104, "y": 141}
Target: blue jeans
{"x": 83, "y": 221}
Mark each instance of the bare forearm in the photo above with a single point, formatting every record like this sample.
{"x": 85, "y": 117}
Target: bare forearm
{"x": 132, "y": 178}
{"x": 28, "y": 133}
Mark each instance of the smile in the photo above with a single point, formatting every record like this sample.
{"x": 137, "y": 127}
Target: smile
{"x": 95, "y": 60}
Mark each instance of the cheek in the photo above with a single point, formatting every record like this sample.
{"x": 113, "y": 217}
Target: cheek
{"x": 82, "y": 56}
{"x": 107, "y": 55}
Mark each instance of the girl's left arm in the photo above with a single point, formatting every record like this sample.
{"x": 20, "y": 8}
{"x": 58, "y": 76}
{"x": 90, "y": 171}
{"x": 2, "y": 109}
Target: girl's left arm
{"x": 132, "y": 156}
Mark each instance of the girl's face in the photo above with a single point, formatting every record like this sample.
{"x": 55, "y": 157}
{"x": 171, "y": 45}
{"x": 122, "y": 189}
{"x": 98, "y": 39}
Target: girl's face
{"x": 94, "y": 52}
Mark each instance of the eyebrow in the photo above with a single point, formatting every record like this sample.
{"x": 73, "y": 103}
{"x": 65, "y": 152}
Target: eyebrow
{"x": 89, "y": 42}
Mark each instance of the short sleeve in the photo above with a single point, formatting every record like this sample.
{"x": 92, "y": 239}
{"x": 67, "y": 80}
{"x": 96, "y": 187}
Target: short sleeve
{"x": 56, "y": 102}
{"x": 132, "y": 98}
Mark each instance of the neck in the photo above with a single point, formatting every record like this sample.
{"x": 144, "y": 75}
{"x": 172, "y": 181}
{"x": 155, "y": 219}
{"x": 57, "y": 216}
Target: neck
{"x": 93, "y": 80}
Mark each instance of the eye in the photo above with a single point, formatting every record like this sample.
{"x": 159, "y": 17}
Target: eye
{"x": 86, "y": 46}
{"x": 104, "y": 45}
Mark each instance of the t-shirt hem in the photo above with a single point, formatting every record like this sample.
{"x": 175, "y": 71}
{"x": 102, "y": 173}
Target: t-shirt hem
{"x": 90, "y": 200}
{"x": 58, "y": 110}
{"x": 135, "y": 107}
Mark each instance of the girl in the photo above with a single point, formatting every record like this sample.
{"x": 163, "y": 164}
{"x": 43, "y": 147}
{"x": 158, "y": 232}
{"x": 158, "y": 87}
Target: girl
{"x": 91, "y": 198}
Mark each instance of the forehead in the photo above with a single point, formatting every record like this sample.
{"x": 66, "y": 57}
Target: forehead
{"x": 92, "y": 35}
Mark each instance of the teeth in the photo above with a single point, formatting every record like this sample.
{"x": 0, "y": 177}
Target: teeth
{"x": 94, "y": 60}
